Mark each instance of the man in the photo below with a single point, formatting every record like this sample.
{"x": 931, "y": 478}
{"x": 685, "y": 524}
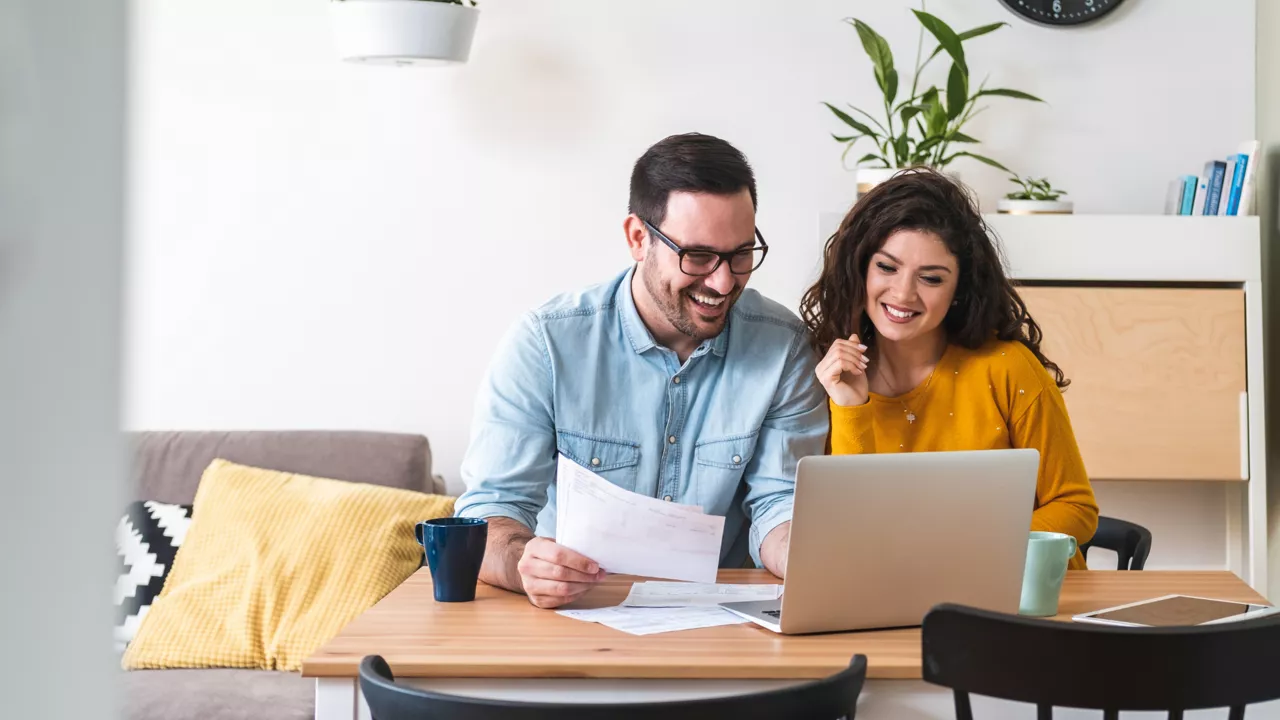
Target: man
{"x": 671, "y": 380}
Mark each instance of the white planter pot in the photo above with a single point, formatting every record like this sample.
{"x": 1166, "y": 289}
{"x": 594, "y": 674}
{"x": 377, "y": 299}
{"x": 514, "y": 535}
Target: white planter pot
{"x": 402, "y": 32}
{"x": 871, "y": 177}
{"x": 1034, "y": 207}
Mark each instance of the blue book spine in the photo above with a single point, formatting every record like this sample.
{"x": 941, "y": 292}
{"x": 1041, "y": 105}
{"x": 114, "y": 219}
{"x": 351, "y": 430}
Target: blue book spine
{"x": 1237, "y": 184}
{"x": 1216, "y": 171}
{"x": 1188, "y": 194}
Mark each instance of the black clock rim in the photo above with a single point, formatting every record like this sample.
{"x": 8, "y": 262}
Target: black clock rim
{"x": 1010, "y": 5}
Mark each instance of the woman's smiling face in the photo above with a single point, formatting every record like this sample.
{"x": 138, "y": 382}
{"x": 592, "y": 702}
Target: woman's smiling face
{"x": 911, "y": 282}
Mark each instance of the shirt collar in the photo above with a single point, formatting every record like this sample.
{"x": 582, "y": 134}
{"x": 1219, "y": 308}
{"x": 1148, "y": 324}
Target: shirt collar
{"x": 638, "y": 334}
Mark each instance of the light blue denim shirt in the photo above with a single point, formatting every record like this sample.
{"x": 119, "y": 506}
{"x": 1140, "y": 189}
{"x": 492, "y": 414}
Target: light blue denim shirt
{"x": 582, "y": 376}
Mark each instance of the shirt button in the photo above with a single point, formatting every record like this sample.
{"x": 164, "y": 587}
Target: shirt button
{"x": 672, "y": 439}
{"x": 676, "y": 379}
{"x": 667, "y": 498}
{"x": 595, "y": 461}
{"x": 737, "y": 459}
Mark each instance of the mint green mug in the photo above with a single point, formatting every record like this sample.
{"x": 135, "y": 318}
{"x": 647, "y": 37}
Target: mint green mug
{"x": 1047, "y": 556}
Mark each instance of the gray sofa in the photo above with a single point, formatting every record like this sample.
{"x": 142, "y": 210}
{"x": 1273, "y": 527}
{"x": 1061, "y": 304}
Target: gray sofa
{"x": 168, "y": 466}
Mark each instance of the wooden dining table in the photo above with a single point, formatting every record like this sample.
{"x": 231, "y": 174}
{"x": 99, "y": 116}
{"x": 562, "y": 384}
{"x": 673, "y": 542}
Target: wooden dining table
{"x": 501, "y": 646}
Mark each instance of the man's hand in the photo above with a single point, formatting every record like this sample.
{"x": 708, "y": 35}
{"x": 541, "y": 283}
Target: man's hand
{"x": 773, "y": 551}
{"x": 553, "y": 575}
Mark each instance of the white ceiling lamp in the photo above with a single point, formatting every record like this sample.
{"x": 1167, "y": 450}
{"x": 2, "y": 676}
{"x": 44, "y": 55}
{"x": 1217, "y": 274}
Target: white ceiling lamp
{"x": 403, "y": 32}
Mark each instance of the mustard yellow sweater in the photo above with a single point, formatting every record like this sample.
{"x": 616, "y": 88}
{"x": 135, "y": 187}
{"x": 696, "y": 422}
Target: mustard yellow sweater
{"x": 996, "y": 397}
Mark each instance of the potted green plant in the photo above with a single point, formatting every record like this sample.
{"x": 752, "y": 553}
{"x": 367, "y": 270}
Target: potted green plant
{"x": 1034, "y": 196}
{"x": 922, "y": 125}
{"x": 404, "y": 32}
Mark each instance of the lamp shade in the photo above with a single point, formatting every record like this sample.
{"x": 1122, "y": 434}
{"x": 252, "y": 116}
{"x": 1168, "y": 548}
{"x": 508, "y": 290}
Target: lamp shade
{"x": 402, "y": 32}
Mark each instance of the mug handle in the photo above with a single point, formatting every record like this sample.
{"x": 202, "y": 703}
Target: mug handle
{"x": 420, "y": 528}
{"x": 1072, "y": 552}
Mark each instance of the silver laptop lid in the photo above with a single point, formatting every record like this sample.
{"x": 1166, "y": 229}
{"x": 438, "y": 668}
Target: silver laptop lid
{"x": 878, "y": 539}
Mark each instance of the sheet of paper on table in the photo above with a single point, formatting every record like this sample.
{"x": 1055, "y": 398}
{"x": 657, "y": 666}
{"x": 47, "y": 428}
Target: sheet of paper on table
{"x": 650, "y": 620}
{"x": 683, "y": 594}
{"x": 632, "y": 534}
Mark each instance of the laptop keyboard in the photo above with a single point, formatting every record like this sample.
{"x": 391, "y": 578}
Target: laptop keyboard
{"x": 773, "y": 613}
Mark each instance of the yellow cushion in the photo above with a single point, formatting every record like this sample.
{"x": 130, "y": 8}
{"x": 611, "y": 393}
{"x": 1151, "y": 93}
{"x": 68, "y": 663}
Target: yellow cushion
{"x": 274, "y": 564}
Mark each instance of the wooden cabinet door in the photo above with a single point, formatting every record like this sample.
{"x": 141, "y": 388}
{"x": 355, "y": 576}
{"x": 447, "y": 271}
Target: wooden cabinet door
{"x": 1157, "y": 376}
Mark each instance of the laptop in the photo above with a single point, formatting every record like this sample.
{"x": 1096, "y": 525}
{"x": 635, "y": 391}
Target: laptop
{"x": 879, "y": 539}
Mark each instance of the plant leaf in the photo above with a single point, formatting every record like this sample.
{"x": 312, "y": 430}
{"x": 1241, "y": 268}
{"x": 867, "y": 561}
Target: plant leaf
{"x": 937, "y": 119}
{"x": 869, "y": 156}
{"x": 877, "y": 49}
{"x": 946, "y": 37}
{"x": 979, "y": 158}
{"x": 929, "y": 143}
{"x": 957, "y": 92}
{"x": 981, "y": 30}
{"x": 957, "y": 136}
{"x": 902, "y": 148}
{"x": 910, "y": 111}
{"x": 969, "y": 35}
{"x": 1003, "y": 92}
{"x": 845, "y": 139}
{"x": 930, "y": 102}
{"x": 891, "y": 83}
{"x": 848, "y": 120}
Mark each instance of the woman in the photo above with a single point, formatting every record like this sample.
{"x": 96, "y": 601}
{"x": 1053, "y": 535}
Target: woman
{"x": 926, "y": 345}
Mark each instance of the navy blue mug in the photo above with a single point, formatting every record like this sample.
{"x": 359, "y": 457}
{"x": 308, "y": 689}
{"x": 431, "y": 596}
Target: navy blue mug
{"x": 455, "y": 548}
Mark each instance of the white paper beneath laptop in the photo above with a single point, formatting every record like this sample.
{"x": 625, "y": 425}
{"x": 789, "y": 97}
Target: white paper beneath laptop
{"x": 683, "y": 594}
{"x": 632, "y": 534}
{"x": 647, "y": 620}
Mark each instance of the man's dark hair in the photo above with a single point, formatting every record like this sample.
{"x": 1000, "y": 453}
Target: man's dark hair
{"x": 691, "y": 162}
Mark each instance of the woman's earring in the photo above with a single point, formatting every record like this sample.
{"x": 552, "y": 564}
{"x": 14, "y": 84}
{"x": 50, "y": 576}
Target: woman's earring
{"x": 955, "y": 302}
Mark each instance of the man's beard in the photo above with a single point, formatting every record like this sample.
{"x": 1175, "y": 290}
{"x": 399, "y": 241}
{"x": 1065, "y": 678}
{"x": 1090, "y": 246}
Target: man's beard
{"x": 678, "y": 312}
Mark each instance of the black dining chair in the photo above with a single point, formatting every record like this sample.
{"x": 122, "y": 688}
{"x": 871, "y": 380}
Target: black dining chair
{"x": 1130, "y": 541}
{"x": 830, "y": 698}
{"x": 1113, "y": 669}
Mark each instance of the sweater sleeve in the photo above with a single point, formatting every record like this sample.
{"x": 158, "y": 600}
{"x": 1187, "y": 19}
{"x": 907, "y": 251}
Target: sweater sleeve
{"x": 851, "y": 429}
{"x": 1064, "y": 495}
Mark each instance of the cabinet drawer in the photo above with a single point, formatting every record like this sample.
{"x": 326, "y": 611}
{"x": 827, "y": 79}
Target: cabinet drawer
{"x": 1156, "y": 377}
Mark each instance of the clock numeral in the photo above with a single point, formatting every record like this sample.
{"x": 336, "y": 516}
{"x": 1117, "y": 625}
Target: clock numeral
{"x": 1088, "y": 3}
{"x": 1057, "y": 6}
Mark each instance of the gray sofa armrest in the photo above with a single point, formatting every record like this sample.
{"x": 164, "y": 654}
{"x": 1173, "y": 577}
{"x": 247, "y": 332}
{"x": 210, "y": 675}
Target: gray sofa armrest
{"x": 168, "y": 465}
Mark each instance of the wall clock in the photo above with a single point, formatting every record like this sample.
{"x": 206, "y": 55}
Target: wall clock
{"x": 1061, "y": 12}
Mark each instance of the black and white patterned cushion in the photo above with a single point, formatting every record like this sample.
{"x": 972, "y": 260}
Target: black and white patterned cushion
{"x": 147, "y": 539}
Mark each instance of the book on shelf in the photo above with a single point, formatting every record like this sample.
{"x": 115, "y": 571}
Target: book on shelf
{"x": 1223, "y": 187}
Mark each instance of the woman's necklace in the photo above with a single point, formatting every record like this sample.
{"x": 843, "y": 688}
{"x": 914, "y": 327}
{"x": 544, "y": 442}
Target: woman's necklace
{"x": 906, "y": 409}
{"x": 911, "y": 416}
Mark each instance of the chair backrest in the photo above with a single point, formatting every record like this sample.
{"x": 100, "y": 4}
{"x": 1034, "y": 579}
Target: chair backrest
{"x": 1050, "y": 663}
{"x": 1130, "y": 541}
{"x": 830, "y": 698}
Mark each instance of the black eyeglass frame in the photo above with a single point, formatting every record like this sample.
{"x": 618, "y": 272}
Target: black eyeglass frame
{"x": 721, "y": 257}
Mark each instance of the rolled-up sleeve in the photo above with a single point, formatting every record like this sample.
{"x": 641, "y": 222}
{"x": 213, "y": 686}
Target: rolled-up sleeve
{"x": 510, "y": 460}
{"x": 796, "y": 426}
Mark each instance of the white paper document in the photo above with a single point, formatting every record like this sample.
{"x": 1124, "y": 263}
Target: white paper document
{"x": 681, "y": 594}
{"x": 633, "y": 534}
{"x": 648, "y": 620}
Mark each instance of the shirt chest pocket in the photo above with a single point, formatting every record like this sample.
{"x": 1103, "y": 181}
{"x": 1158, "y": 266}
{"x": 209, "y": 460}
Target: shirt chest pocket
{"x": 617, "y": 461}
{"x": 718, "y": 466}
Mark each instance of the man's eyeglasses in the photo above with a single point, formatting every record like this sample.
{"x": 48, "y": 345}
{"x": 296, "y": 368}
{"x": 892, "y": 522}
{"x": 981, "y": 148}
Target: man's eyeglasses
{"x": 704, "y": 262}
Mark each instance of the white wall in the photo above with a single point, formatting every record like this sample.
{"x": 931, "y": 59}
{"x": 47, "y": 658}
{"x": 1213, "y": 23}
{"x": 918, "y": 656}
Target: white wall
{"x": 62, "y": 460}
{"x": 322, "y": 245}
